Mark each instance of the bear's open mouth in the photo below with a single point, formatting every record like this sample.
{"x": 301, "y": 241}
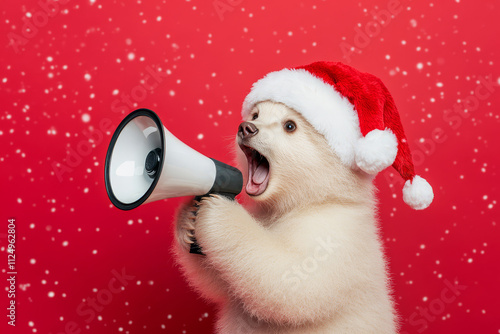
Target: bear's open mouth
{"x": 258, "y": 171}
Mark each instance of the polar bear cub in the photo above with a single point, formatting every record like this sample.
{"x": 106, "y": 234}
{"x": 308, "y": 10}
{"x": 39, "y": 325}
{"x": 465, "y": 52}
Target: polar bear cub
{"x": 305, "y": 255}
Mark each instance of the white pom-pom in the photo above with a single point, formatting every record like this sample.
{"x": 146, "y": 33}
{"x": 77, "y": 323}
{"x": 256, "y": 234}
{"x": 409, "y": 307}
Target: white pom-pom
{"x": 376, "y": 151}
{"x": 417, "y": 193}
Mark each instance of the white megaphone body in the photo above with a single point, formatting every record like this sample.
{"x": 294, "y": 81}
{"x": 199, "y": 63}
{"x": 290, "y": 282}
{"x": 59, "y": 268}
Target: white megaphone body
{"x": 146, "y": 163}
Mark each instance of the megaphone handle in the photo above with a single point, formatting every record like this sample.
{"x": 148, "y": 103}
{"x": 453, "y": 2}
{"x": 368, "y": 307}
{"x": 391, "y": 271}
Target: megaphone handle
{"x": 195, "y": 248}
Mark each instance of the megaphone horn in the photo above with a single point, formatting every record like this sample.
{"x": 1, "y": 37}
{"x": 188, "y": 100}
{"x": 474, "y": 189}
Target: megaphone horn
{"x": 146, "y": 163}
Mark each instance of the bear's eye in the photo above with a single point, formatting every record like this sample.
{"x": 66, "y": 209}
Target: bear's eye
{"x": 290, "y": 126}
{"x": 255, "y": 116}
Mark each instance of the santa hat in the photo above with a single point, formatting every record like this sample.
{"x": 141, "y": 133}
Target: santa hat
{"x": 356, "y": 114}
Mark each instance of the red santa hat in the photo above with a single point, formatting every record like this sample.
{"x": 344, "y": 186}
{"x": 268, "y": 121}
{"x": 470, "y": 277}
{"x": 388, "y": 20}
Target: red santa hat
{"x": 356, "y": 114}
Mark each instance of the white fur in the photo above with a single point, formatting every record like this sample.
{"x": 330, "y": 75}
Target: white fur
{"x": 376, "y": 151}
{"x": 418, "y": 193}
{"x": 323, "y": 107}
{"x": 305, "y": 256}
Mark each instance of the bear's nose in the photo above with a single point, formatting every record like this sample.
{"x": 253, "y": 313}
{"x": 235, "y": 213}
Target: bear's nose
{"x": 247, "y": 130}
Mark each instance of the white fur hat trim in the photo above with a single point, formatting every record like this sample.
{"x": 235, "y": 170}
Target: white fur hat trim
{"x": 330, "y": 113}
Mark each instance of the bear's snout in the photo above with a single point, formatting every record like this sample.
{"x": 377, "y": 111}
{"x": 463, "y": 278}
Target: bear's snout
{"x": 247, "y": 130}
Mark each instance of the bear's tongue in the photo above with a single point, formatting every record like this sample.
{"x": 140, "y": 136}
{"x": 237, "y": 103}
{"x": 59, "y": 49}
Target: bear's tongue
{"x": 258, "y": 175}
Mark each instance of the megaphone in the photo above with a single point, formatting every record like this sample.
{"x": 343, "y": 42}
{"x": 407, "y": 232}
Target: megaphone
{"x": 146, "y": 163}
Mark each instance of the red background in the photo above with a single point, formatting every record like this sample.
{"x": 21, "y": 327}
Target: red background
{"x": 68, "y": 77}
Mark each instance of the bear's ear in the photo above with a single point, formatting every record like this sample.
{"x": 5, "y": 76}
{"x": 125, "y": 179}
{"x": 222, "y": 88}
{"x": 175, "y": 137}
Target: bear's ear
{"x": 376, "y": 151}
